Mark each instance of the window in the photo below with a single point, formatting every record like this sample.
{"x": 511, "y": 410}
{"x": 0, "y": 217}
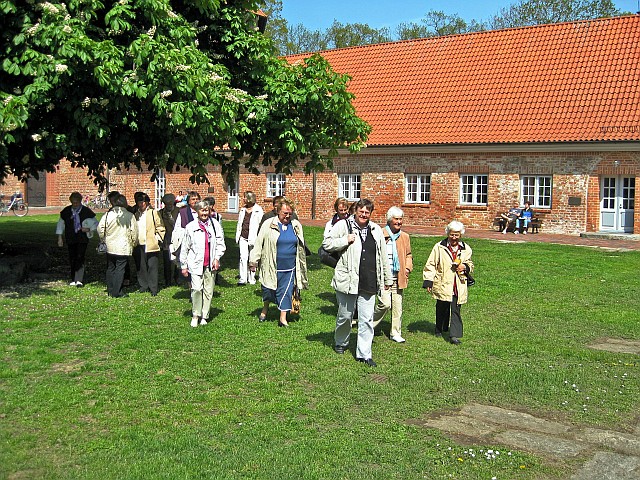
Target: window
{"x": 536, "y": 190}
{"x": 417, "y": 189}
{"x": 275, "y": 184}
{"x": 160, "y": 186}
{"x": 349, "y": 187}
{"x": 473, "y": 189}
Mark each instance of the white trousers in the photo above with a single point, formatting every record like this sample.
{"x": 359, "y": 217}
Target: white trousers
{"x": 243, "y": 269}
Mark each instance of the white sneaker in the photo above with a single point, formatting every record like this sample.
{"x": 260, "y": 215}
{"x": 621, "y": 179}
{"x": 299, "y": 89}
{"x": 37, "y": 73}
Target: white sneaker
{"x": 516, "y": 232}
{"x": 203, "y": 321}
{"x": 504, "y": 232}
{"x": 524, "y": 233}
{"x": 194, "y": 322}
{"x": 398, "y": 339}
{"x": 72, "y": 284}
{"x": 79, "y": 284}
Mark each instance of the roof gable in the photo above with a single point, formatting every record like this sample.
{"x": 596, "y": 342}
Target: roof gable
{"x": 565, "y": 82}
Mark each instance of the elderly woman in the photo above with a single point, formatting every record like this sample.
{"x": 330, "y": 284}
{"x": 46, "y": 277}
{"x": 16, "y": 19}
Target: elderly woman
{"x": 247, "y": 228}
{"x": 74, "y": 227}
{"x": 401, "y": 264}
{"x": 279, "y": 250}
{"x": 202, "y": 248}
{"x": 119, "y": 230}
{"x": 341, "y": 207}
{"x": 446, "y": 275}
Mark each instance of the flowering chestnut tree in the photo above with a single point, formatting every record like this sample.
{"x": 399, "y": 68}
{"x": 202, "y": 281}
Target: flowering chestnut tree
{"x": 161, "y": 84}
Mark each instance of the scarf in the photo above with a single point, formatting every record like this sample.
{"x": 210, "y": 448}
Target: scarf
{"x": 394, "y": 248}
{"x": 207, "y": 252}
{"x": 75, "y": 214}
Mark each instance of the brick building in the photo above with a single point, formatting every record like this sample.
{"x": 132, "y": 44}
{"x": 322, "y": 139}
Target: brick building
{"x": 463, "y": 126}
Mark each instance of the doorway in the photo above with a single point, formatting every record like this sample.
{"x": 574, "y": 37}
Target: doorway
{"x": 232, "y": 197}
{"x": 617, "y": 198}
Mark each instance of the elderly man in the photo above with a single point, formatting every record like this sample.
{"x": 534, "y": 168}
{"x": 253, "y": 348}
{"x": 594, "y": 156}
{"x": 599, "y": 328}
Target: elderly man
{"x": 362, "y": 272}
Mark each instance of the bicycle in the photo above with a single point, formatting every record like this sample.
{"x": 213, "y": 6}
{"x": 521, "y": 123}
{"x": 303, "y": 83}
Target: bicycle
{"x": 99, "y": 201}
{"x": 19, "y": 207}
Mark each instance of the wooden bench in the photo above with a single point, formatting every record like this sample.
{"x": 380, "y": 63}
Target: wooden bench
{"x": 534, "y": 226}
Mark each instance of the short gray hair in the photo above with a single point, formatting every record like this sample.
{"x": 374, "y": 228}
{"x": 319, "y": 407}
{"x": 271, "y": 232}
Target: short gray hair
{"x": 200, "y": 205}
{"x": 394, "y": 212}
{"x": 454, "y": 226}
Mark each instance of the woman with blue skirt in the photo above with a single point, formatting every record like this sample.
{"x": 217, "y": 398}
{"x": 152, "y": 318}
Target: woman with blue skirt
{"x": 279, "y": 255}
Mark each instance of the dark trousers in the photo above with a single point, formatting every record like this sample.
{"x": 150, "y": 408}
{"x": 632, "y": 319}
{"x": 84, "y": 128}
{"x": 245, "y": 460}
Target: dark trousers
{"x": 147, "y": 270}
{"x": 116, "y": 265}
{"x": 77, "y": 252}
{"x": 448, "y": 317}
{"x": 170, "y": 272}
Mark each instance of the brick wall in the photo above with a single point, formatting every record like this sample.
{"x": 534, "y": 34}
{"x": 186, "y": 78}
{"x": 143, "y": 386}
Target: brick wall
{"x": 575, "y": 202}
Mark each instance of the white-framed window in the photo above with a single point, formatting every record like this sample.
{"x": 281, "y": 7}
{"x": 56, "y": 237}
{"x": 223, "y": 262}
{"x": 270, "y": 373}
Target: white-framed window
{"x": 276, "y": 183}
{"x": 417, "y": 188}
{"x": 473, "y": 189}
{"x": 536, "y": 190}
{"x": 160, "y": 187}
{"x": 349, "y": 186}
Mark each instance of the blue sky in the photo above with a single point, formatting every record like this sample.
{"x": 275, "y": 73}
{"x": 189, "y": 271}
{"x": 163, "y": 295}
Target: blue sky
{"x": 319, "y": 14}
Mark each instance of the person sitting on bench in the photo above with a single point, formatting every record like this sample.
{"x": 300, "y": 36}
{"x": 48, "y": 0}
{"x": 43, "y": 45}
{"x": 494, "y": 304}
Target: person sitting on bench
{"x": 510, "y": 217}
{"x": 526, "y": 215}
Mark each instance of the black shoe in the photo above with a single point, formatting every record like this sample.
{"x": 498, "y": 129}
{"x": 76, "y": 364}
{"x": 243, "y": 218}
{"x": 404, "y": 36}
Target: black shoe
{"x": 240, "y": 284}
{"x": 454, "y": 341}
{"x": 339, "y": 349}
{"x": 154, "y": 294}
{"x": 368, "y": 361}
{"x": 280, "y": 324}
{"x": 439, "y": 334}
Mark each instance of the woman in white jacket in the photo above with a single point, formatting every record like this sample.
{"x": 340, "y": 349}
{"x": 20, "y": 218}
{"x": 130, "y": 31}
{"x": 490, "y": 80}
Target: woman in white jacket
{"x": 246, "y": 233}
{"x": 202, "y": 248}
{"x": 119, "y": 230}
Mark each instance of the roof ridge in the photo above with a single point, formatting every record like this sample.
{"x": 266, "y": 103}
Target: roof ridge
{"x": 485, "y": 32}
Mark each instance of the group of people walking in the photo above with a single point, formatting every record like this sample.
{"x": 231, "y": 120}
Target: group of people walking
{"x": 372, "y": 263}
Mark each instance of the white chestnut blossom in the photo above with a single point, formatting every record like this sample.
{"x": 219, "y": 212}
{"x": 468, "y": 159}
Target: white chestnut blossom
{"x": 36, "y": 137}
{"x": 61, "y": 68}
{"x": 165, "y": 94}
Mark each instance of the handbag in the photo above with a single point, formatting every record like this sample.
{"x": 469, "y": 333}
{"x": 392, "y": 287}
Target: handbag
{"x": 102, "y": 244}
{"x": 295, "y": 300}
{"x": 331, "y": 259}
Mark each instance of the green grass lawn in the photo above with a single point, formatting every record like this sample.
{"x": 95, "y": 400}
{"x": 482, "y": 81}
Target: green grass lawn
{"x": 99, "y": 388}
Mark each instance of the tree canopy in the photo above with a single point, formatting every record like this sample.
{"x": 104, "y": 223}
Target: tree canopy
{"x": 166, "y": 85}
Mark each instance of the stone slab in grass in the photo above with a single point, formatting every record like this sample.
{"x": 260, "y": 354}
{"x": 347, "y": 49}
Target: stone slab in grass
{"x": 539, "y": 443}
{"x": 609, "y": 466}
{"x": 513, "y": 419}
{"x": 616, "y": 345}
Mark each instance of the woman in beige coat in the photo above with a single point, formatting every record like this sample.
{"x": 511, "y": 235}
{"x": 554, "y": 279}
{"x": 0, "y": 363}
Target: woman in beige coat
{"x": 279, "y": 252}
{"x": 446, "y": 276}
{"x": 150, "y": 238}
{"x": 119, "y": 230}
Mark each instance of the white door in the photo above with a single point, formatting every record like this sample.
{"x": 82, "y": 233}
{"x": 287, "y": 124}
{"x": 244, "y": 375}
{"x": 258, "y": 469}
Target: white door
{"x": 232, "y": 198}
{"x": 617, "y": 195}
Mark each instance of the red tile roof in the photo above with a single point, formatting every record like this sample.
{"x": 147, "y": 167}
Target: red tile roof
{"x": 563, "y": 82}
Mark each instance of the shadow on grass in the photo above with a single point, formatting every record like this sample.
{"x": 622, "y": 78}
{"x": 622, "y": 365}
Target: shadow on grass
{"x": 422, "y": 326}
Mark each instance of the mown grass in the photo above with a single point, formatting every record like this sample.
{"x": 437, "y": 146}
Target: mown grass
{"x": 92, "y": 387}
